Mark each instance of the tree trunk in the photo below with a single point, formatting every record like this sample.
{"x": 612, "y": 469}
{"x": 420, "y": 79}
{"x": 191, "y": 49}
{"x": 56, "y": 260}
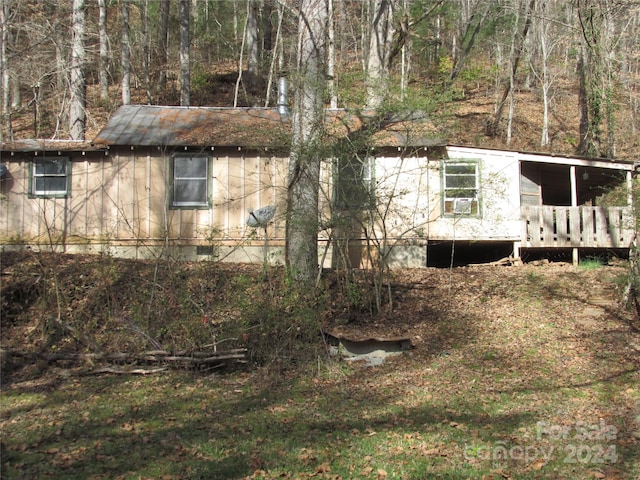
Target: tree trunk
{"x": 512, "y": 77}
{"x": 253, "y": 50}
{"x": 609, "y": 60}
{"x": 146, "y": 50}
{"x": 583, "y": 125}
{"x": 104, "y": 51}
{"x": 163, "y": 43}
{"x": 516, "y": 55}
{"x": 267, "y": 28}
{"x": 126, "y": 55}
{"x": 276, "y": 56}
{"x": 467, "y": 40}
{"x": 6, "y": 133}
{"x": 306, "y": 152}
{"x": 593, "y": 95}
{"x": 378, "y": 56}
{"x": 331, "y": 57}
{"x": 77, "y": 103}
{"x": 185, "y": 68}
{"x": 543, "y": 31}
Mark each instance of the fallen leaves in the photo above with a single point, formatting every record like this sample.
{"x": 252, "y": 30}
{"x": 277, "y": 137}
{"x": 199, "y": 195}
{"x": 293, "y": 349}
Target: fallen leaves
{"x": 498, "y": 353}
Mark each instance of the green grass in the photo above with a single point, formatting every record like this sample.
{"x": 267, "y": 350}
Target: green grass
{"x": 491, "y": 367}
{"x": 347, "y": 424}
{"x": 591, "y": 263}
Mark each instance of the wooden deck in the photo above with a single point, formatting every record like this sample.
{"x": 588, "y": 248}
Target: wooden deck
{"x": 589, "y": 227}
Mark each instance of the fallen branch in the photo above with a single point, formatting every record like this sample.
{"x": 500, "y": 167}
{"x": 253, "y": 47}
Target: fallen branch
{"x": 506, "y": 261}
{"x": 131, "y": 371}
{"x": 166, "y": 359}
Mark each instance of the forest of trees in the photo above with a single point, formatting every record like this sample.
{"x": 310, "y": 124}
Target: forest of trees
{"x": 413, "y": 51}
{"x": 66, "y": 65}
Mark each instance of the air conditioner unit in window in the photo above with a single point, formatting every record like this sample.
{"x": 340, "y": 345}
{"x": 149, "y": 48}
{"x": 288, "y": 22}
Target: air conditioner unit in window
{"x": 462, "y": 206}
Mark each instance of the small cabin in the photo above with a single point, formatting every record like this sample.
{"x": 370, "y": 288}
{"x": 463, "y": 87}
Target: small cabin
{"x": 187, "y": 181}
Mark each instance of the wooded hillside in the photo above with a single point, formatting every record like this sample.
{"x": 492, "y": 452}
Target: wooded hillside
{"x": 522, "y": 74}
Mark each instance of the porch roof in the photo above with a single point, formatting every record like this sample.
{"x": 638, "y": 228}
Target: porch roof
{"x": 553, "y": 158}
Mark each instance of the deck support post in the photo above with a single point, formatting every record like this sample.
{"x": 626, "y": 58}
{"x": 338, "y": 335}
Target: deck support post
{"x": 516, "y": 250}
{"x": 574, "y": 186}
{"x": 574, "y": 203}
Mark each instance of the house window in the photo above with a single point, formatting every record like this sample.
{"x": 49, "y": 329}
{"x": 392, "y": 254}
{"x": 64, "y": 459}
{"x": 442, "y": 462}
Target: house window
{"x": 461, "y": 187}
{"x": 50, "y": 177}
{"x": 190, "y": 182}
{"x": 354, "y": 184}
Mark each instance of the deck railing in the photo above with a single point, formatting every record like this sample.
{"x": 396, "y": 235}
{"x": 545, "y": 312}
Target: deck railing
{"x": 591, "y": 227}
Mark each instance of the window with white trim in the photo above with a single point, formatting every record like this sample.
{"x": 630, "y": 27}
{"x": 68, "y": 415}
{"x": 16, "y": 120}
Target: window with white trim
{"x": 50, "y": 177}
{"x": 190, "y": 186}
{"x": 461, "y": 188}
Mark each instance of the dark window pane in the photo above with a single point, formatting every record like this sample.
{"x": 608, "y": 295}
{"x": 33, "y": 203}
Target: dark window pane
{"x": 190, "y": 167}
{"x": 50, "y": 168}
{"x": 462, "y": 181}
{"x": 469, "y": 193}
{"x": 51, "y": 184}
{"x": 190, "y": 192}
{"x": 469, "y": 169}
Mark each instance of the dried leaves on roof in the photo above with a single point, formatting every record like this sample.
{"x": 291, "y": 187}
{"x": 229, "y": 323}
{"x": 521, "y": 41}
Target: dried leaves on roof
{"x": 141, "y": 125}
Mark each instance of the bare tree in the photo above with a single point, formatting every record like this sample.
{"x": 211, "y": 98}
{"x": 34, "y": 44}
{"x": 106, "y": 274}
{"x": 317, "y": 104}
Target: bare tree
{"x": 185, "y": 60}
{"x": 475, "y": 20}
{"x": 306, "y": 153}
{"x": 77, "y": 104}
{"x": 331, "y": 57}
{"x": 6, "y": 79}
{"x": 163, "y": 43}
{"x": 517, "y": 48}
{"x": 379, "y": 52}
{"x": 253, "y": 50}
{"x": 595, "y": 78}
{"x": 104, "y": 50}
{"x": 126, "y": 55}
{"x": 543, "y": 37}
{"x": 146, "y": 51}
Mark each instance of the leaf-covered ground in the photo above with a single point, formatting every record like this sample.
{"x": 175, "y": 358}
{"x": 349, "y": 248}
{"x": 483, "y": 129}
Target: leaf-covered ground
{"x": 517, "y": 372}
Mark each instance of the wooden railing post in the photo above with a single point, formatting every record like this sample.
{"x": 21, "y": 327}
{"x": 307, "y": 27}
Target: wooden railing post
{"x": 576, "y": 227}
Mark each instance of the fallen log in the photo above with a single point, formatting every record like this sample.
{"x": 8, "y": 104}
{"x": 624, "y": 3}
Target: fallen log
{"x": 126, "y": 371}
{"x": 163, "y": 359}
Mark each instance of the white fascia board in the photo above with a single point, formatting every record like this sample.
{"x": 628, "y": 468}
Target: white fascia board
{"x": 472, "y": 152}
{"x": 578, "y": 162}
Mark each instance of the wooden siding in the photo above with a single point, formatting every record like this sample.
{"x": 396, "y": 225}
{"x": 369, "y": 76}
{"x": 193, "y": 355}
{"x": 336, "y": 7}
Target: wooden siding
{"x": 123, "y": 198}
{"x": 588, "y": 227}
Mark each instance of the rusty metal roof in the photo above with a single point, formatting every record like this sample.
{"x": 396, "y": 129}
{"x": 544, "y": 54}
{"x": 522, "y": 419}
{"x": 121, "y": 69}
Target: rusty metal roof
{"x": 47, "y": 145}
{"x": 148, "y": 125}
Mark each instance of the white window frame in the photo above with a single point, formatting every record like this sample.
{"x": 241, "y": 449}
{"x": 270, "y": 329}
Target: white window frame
{"x": 38, "y": 177}
{"x": 204, "y": 179}
{"x": 461, "y": 188}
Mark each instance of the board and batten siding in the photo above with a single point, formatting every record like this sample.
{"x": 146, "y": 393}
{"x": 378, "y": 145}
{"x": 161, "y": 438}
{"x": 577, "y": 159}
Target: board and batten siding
{"x": 122, "y": 199}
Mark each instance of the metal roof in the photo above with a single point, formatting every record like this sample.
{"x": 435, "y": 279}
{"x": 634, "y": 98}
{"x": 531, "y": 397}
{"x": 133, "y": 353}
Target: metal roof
{"x": 149, "y": 125}
{"x": 47, "y": 145}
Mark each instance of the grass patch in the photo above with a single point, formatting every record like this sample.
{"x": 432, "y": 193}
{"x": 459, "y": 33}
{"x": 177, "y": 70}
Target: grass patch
{"x": 591, "y": 263}
{"x": 340, "y": 426}
{"x": 503, "y": 383}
